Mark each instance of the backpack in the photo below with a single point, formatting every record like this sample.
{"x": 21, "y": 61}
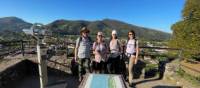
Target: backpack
{"x": 74, "y": 67}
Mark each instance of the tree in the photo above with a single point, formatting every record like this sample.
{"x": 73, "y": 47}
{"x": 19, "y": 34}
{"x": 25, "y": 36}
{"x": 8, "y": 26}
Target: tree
{"x": 186, "y": 32}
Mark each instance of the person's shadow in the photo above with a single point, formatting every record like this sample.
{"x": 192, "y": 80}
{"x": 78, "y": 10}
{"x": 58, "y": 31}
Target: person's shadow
{"x": 138, "y": 69}
{"x": 161, "y": 71}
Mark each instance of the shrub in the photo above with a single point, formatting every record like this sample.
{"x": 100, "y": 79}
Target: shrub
{"x": 196, "y": 57}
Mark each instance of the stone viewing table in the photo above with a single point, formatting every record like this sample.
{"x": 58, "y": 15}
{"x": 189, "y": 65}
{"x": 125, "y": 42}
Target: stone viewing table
{"x": 103, "y": 81}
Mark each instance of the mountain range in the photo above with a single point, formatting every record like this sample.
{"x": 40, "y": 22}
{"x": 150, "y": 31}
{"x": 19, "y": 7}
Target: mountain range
{"x": 12, "y": 26}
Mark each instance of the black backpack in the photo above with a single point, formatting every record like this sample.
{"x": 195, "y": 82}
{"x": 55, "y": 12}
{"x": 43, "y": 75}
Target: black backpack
{"x": 74, "y": 67}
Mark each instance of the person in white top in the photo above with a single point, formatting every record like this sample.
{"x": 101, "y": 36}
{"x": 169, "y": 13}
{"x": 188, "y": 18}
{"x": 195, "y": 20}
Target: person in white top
{"x": 132, "y": 50}
{"x": 115, "y": 51}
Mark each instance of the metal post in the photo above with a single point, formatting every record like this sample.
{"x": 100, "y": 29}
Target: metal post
{"x": 67, "y": 51}
{"x": 42, "y": 68}
{"x": 38, "y": 33}
{"x": 22, "y": 47}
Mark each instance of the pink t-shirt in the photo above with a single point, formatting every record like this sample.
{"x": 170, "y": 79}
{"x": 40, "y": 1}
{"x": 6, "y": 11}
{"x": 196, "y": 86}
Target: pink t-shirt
{"x": 101, "y": 50}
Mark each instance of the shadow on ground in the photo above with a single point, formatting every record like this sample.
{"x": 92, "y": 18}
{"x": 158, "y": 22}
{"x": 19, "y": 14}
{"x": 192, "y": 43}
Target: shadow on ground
{"x": 56, "y": 78}
{"x": 160, "y": 86}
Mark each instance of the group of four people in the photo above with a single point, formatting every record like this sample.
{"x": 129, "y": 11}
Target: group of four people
{"x": 106, "y": 56}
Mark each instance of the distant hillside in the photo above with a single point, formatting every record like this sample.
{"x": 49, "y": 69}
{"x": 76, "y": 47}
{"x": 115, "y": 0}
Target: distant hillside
{"x": 10, "y": 35}
{"x": 67, "y": 27}
{"x": 107, "y": 25}
{"x": 14, "y": 25}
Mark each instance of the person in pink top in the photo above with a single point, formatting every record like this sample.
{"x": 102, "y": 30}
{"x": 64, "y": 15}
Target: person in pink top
{"x": 100, "y": 51}
{"x": 132, "y": 50}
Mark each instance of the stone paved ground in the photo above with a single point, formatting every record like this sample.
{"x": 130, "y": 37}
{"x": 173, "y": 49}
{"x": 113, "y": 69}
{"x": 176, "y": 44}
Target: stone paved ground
{"x": 164, "y": 83}
{"x": 9, "y": 61}
{"x": 154, "y": 83}
{"x": 72, "y": 82}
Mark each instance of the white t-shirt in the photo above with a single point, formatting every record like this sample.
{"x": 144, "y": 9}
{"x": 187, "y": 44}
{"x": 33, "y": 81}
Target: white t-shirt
{"x": 114, "y": 46}
{"x": 131, "y": 46}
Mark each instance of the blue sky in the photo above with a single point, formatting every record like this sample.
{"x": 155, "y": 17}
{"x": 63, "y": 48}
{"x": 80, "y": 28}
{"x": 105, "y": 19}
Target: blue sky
{"x": 156, "y": 14}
